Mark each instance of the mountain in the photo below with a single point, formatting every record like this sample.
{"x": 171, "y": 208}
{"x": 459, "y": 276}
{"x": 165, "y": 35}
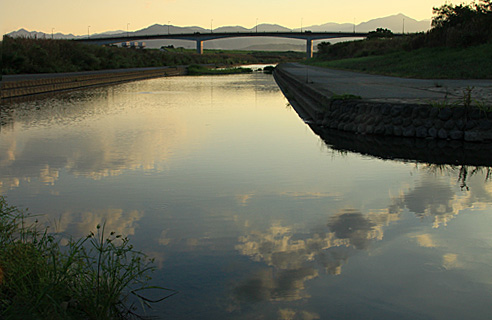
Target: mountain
{"x": 40, "y": 35}
{"x": 264, "y": 27}
{"x": 231, "y": 29}
{"x": 396, "y": 23}
{"x": 331, "y": 26}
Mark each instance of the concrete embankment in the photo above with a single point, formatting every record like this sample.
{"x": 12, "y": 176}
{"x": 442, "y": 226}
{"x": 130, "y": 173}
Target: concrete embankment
{"x": 389, "y": 106}
{"x": 22, "y": 86}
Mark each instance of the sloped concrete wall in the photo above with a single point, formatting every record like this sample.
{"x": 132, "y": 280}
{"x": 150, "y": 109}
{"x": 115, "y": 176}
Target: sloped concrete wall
{"x": 388, "y": 119}
{"x": 15, "y": 89}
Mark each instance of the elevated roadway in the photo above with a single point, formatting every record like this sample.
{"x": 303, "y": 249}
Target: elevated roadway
{"x": 199, "y": 38}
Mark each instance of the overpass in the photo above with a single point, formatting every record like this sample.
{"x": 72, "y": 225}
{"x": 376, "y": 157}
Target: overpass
{"x": 199, "y": 38}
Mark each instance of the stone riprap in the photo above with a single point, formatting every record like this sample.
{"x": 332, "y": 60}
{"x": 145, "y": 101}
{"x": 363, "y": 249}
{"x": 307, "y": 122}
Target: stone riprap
{"x": 419, "y": 119}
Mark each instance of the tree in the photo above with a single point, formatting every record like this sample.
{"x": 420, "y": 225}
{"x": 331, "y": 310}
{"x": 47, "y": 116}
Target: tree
{"x": 380, "y": 33}
{"x": 464, "y": 24}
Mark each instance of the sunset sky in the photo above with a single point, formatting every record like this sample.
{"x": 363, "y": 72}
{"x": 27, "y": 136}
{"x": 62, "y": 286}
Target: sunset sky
{"x": 74, "y": 16}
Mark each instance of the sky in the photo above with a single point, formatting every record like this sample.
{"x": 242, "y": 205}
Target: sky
{"x": 95, "y": 16}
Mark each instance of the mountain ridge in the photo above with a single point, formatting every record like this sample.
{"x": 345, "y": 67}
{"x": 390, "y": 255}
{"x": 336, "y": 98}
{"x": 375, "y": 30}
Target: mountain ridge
{"x": 397, "y": 23}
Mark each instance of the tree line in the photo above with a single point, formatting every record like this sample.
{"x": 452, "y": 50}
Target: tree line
{"x": 454, "y": 26}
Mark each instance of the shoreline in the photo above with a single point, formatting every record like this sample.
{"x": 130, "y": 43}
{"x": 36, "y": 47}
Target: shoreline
{"x": 13, "y": 87}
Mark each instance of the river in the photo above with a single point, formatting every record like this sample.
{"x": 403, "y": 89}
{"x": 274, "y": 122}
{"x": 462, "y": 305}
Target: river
{"x": 248, "y": 213}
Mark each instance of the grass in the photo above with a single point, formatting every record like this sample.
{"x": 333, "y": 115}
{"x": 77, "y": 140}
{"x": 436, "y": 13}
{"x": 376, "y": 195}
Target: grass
{"x": 89, "y": 278}
{"x": 426, "y": 63}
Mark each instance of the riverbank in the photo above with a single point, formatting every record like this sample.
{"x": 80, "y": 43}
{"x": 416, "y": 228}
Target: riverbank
{"x": 389, "y": 106}
{"x": 18, "y": 86}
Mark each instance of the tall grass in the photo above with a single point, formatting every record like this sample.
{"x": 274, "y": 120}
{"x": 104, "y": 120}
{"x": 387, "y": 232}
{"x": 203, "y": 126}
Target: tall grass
{"x": 89, "y": 278}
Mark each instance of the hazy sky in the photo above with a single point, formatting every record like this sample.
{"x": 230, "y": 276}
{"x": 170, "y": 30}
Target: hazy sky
{"x": 74, "y": 16}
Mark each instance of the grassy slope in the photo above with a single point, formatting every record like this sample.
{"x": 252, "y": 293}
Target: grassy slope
{"x": 431, "y": 63}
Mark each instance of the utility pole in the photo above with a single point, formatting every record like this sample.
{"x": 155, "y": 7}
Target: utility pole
{"x": 168, "y": 26}
{"x": 127, "y": 29}
{"x": 211, "y": 21}
{"x": 88, "y": 34}
{"x": 52, "y": 33}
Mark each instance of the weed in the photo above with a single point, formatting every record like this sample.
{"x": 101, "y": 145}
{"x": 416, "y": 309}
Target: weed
{"x": 467, "y": 97}
{"x": 90, "y": 278}
{"x": 439, "y": 104}
{"x": 345, "y": 96}
{"x": 482, "y": 106}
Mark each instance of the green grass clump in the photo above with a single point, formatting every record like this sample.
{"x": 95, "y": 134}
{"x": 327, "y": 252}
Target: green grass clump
{"x": 89, "y": 278}
{"x": 197, "y": 70}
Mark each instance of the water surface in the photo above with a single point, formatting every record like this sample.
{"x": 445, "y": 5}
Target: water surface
{"x": 248, "y": 213}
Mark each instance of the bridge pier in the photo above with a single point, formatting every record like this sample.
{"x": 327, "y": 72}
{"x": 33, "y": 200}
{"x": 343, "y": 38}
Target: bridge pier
{"x": 199, "y": 46}
{"x": 309, "y": 48}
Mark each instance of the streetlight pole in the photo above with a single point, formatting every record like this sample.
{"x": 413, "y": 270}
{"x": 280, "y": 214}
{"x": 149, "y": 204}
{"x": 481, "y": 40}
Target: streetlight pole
{"x": 88, "y": 34}
{"x": 52, "y": 33}
{"x": 256, "y": 25}
{"x": 168, "y": 27}
{"x": 301, "y": 24}
{"x": 127, "y": 29}
{"x": 212, "y": 20}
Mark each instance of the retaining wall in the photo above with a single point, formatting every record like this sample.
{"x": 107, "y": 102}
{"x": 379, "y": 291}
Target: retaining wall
{"x": 15, "y": 89}
{"x": 388, "y": 119}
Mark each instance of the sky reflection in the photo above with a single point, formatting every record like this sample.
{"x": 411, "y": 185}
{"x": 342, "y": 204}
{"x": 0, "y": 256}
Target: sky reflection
{"x": 246, "y": 211}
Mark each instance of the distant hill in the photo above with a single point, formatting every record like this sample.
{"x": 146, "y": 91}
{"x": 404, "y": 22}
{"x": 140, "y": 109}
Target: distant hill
{"x": 395, "y": 23}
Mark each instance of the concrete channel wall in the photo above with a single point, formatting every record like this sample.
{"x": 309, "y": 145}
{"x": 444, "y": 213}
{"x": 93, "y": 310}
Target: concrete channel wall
{"x": 388, "y": 119}
{"x": 23, "y": 88}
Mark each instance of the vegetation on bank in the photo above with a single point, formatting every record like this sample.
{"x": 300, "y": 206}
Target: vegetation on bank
{"x": 198, "y": 70}
{"x": 89, "y": 278}
{"x": 428, "y": 63}
{"x": 459, "y": 45}
{"x": 27, "y": 55}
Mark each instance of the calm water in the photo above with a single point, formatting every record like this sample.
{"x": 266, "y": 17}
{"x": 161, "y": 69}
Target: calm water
{"x": 248, "y": 213}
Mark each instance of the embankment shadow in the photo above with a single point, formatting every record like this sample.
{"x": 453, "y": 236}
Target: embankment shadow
{"x": 431, "y": 151}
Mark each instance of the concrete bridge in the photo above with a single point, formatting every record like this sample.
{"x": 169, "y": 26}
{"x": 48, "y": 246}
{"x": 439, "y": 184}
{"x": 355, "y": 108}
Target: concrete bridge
{"x": 199, "y": 38}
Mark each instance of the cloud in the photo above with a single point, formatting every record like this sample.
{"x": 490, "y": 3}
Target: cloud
{"x": 424, "y": 240}
{"x": 243, "y": 199}
{"x": 450, "y": 261}
{"x": 353, "y": 226}
{"x": 115, "y": 220}
{"x": 291, "y": 314}
{"x": 435, "y": 198}
{"x": 286, "y": 285}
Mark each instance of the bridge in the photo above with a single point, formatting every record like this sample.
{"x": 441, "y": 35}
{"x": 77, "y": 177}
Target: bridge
{"x": 199, "y": 38}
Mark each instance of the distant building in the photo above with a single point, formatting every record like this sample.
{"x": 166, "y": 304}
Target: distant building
{"x": 134, "y": 45}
